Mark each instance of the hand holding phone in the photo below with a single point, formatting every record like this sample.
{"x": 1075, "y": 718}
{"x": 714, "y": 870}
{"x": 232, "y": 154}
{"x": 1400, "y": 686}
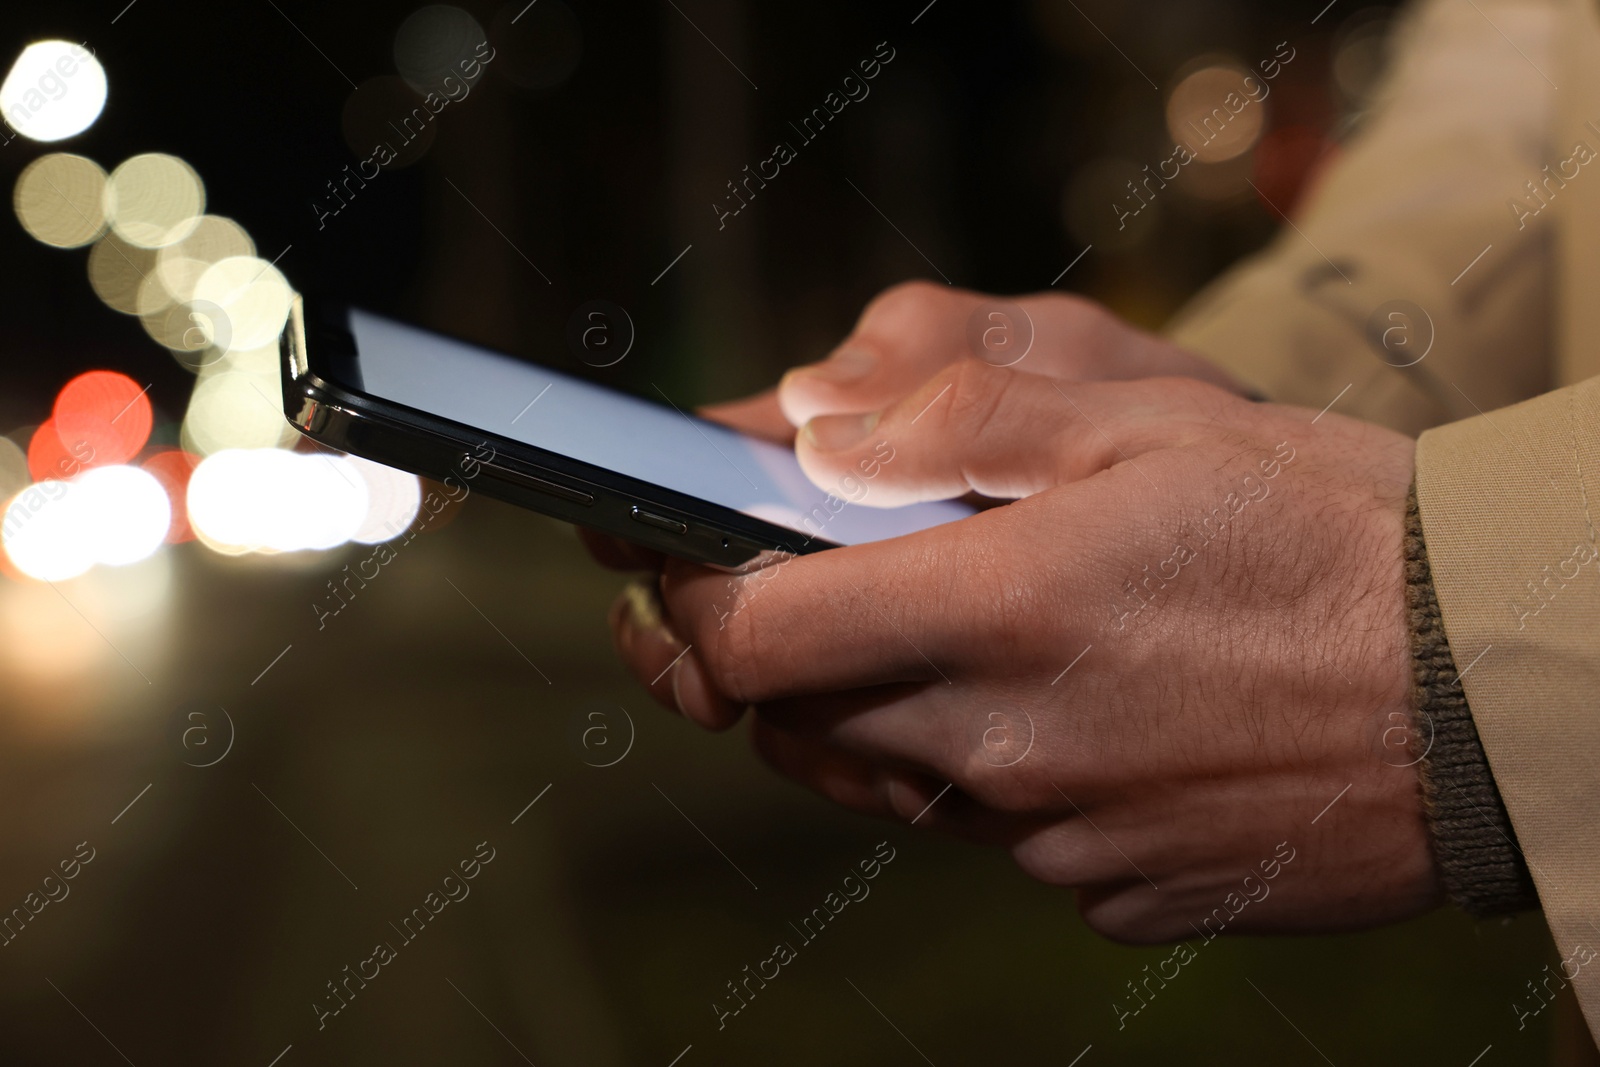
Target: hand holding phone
{"x": 648, "y": 472}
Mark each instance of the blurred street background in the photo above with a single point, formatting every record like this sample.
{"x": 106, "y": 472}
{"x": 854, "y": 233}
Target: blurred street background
{"x": 267, "y": 793}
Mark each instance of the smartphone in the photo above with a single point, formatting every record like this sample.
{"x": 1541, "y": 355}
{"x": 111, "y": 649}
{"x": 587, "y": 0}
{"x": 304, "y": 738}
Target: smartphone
{"x": 648, "y": 472}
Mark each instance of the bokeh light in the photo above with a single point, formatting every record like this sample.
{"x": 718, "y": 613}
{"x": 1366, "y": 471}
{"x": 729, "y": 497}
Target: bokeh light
{"x": 1361, "y": 53}
{"x": 370, "y": 119}
{"x": 393, "y": 500}
{"x": 195, "y": 331}
{"x": 160, "y": 288}
{"x": 173, "y": 468}
{"x": 126, "y": 514}
{"x": 154, "y": 200}
{"x": 51, "y": 457}
{"x": 55, "y": 89}
{"x": 1217, "y": 112}
{"x": 261, "y": 364}
{"x": 43, "y": 639}
{"x": 253, "y": 297}
{"x": 536, "y": 47}
{"x": 14, "y": 476}
{"x": 60, "y": 200}
{"x": 107, "y": 412}
{"x": 435, "y": 50}
{"x": 46, "y": 532}
{"x": 198, "y": 287}
{"x": 117, "y": 272}
{"x": 233, "y": 409}
{"x": 180, "y": 264}
{"x": 271, "y": 500}
{"x": 115, "y": 516}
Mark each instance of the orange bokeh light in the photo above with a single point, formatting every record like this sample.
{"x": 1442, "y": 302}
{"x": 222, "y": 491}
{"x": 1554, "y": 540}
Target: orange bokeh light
{"x": 49, "y": 458}
{"x": 9, "y": 569}
{"x": 172, "y": 469}
{"x": 103, "y": 413}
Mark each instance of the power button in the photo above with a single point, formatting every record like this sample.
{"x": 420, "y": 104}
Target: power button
{"x": 660, "y": 522}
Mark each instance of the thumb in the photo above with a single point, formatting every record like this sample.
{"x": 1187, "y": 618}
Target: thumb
{"x": 904, "y": 336}
{"x": 1004, "y": 434}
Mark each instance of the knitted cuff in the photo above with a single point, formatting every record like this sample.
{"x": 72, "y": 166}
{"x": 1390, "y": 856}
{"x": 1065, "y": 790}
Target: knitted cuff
{"x": 1479, "y": 859}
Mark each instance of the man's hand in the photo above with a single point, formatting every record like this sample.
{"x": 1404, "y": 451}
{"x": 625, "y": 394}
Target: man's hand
{"x": 1180, "y": 652}
{"x": 913, "y": 330}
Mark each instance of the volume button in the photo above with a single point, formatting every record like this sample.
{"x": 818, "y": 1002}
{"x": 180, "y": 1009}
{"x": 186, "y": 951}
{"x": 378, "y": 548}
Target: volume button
{"x": 529, "y": 481}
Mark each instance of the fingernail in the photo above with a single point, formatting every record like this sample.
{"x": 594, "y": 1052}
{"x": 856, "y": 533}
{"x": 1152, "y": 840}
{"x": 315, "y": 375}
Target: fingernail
{"x": 695, "y": 697}
{"x": 688, "y": 687}
{"x": 903, "y": 793}
{"x": 844, "y": 367}
{"x": 835, "y": 433}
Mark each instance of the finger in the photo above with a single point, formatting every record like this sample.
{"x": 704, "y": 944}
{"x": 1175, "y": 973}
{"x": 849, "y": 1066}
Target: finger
{"x": 1075, "y": 852}
{"x": 898, "y": 725}
{"x": 905, "y": 794}
{"x": 912, "y": 330}
{"x": 841, "y": 777}
{"x": 757, "y": 415}
{"x": 664, "y": 663}
{"x": 616, "y": 554}
{"x": 993, "y": 757}
{"x": 904, "y": 335}
{"x": 860, "y": 616}
{"x": 1002, "y": 433}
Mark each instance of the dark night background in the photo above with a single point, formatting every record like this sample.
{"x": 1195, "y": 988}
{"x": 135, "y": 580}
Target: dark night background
{"x": 397, "y": 739}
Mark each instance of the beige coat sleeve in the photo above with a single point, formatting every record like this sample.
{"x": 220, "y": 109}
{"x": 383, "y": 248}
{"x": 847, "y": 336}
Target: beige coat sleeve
{"x": 1419, "y": 194}
{"x": 1508, "y": 504}
{"x": 1423, "y": 207}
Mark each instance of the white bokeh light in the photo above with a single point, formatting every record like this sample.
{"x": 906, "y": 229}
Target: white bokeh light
{"x": 112, "y": 516}
{"x": 270, "y": 500}
{"x": 393, "y": 499}
{"x": 252, "y": 294}
{"x": 45, "y": 532}
{"x": 125, "y": 511}
{"x": 235, "y": 409}
{"x": 154, "y": 200}
{"x": 55, "y": 89}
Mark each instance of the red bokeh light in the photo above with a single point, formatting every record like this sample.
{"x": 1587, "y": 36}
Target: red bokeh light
{"x": 172, "y": 469}
{"x": 49, "y": 458}
{"x": 105, "y": 413}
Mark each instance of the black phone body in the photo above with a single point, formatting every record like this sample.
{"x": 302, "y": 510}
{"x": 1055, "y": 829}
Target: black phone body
{"x": 649, "y": 473}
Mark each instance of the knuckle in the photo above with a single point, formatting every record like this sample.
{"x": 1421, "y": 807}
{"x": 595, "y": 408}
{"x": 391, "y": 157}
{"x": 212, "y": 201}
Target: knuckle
{"x": 1081, "y": 310}
{"x": 1196, "y": 395}
{"x": 1084, "y": 320}
{"x": 913, "y": 316}
{"x": 1012, "y": 790}
{"x": 1087, "y": 340}
{"x": 976, "y": 393}
{"x": 906, "y": 299}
